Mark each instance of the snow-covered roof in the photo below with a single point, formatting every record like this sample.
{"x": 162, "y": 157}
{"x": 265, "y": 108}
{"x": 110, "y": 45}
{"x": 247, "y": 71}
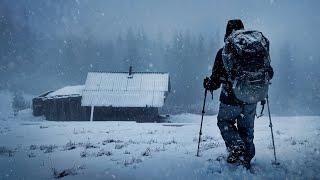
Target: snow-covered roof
{"x": 122, "y": 90}
{"x": 66, "y": 91}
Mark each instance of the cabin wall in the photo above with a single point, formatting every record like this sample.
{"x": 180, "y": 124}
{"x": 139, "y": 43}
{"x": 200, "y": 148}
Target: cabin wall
{"x": 65, "y": 109}
{"x": 37, "y": 106}
{"x": 70, "y": 109}
{"x": 139, "y": 114}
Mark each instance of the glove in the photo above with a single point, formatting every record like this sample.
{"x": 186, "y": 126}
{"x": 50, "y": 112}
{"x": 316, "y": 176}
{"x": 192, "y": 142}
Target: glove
{"x": 206, "y": 83}
{"x": 210, "y": 85}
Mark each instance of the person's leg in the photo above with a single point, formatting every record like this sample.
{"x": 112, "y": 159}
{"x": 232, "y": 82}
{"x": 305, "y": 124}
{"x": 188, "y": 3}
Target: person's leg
{"x": 246, "y": 128}
{"x": 226, "y": 122}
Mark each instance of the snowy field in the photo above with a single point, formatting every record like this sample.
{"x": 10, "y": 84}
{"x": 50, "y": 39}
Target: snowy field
{"x": 32, "y": 148}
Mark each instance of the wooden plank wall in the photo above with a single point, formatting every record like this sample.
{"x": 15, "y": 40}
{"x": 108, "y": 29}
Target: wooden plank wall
{"x": 70, "y": 109}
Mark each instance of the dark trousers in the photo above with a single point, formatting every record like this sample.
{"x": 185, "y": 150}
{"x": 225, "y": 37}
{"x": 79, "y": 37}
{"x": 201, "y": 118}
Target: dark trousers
{"x": 241, "y": 133}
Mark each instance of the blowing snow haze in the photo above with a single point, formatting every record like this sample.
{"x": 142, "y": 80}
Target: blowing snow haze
{"x": 45, "y": 45}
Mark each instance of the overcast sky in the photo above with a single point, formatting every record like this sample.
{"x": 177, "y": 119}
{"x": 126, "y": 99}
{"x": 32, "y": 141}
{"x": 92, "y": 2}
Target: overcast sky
{"x": 278, "y": 19}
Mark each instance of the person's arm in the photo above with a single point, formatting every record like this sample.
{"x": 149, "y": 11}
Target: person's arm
{"x": 217, "y": 70}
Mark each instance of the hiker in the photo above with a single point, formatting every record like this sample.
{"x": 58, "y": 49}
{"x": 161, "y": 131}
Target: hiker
{"x": 234, "y": 107}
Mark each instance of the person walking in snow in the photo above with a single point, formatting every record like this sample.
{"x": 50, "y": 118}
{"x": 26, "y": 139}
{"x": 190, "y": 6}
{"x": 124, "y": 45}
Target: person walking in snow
{"x": 243, "y": 69}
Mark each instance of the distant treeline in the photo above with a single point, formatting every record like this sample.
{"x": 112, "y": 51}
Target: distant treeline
{"x": 34, "y": 63}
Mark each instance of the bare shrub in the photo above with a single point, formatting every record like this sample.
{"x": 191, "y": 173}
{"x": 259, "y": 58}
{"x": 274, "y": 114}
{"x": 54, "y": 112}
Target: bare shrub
{"x": 147, "y": 152}
{"x": 5, "y": 151}
{"x": 131, "y": 161}
{"x": 48, "y": 148}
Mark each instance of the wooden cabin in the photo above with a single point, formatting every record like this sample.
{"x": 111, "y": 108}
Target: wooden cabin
{"x": 107, "y": 96}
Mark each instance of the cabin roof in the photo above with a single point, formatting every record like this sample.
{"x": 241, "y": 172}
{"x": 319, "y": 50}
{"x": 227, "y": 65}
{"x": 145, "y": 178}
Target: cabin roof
{"x": 119, "y": 89}
{"x": 66, "y": 92}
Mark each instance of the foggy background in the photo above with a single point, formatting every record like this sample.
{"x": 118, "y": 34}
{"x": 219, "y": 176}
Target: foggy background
{"x": 45, "y": 45}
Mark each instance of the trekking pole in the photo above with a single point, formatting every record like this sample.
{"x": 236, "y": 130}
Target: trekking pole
{"x": 200, "y": 132}
{"x": 270, "y": 125}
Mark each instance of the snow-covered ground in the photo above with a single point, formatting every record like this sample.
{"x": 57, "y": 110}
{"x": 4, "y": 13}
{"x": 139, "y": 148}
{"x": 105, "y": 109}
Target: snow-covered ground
{"x": 32, "y": 148}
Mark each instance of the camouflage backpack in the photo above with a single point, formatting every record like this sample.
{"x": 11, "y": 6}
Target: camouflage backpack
{"x": 246, "y": 59}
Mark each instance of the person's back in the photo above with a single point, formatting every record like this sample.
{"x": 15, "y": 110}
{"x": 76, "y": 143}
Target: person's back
{"x": 235, "y": 90}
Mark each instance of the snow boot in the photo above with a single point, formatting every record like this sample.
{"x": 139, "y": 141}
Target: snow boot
{"x": 232, "y": 158}
{"x": 246, "y": 164}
